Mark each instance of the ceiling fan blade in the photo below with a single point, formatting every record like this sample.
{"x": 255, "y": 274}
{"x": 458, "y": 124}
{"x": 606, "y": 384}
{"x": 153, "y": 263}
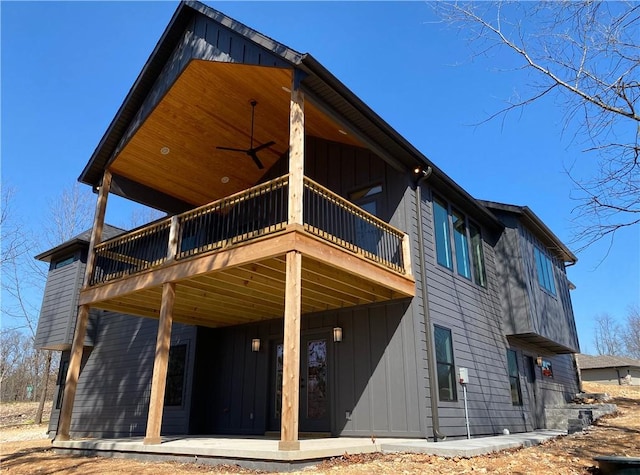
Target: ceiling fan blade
{"x": 256, "y": 160}
{"x": 243, "y": 150}
{"x": 264, "y": 145}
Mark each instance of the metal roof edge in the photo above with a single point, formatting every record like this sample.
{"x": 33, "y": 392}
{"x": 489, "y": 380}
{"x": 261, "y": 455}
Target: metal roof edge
{"x": 313, "y": 66}
{"x": 534, "y": 221}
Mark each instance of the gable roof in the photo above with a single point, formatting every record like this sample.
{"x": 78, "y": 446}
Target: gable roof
{"x": 537, "y": 226}
{"x": 78, "y": 242}
{"x": 605, "y": 361}
{"x": 318, "y": 82}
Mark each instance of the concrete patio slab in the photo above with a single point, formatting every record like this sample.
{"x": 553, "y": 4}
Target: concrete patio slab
{"x": 263, "y": 454}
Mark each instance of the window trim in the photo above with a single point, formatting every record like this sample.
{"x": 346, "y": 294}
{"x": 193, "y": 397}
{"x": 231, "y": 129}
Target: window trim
{"x": 451, "y": 366}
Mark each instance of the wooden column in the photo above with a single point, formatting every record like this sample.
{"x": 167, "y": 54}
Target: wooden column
{"x": 172, "y": 249}
{"x": 98, "y": 224}
{"x": 406, "y": 255}
{"x": 73, "y": 372}
{"x": 296, "y": 151}
{"x": 291, "y": 354}
{"x": 77, "y": 346}
{"x": 159, "y": 380}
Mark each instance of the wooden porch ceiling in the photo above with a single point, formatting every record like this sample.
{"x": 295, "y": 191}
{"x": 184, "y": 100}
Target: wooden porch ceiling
{"x": 253, "y": 290}
{"x": 209, "y": 106}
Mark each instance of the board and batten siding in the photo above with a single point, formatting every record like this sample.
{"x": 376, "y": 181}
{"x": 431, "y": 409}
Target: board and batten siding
{"x": 112, "y": 398}
{"x": 59, "y": 310}
{"x": 551, "y": 315}
{"x": 473, "y": 314}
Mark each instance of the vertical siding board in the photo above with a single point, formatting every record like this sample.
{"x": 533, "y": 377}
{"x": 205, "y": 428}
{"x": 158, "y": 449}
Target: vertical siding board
{"x": 116, "y": 403}
{"x": 378, "y": 359}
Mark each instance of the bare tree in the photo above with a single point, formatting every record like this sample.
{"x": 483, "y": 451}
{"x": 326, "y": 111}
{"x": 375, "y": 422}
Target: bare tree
{"x": 631, "y": 333}
{"x": 23, "y": 282}
{"x": 11, "y": 231}
{"x": 586, "y": 53}
{"x": 608, "y": 336}
{"x": 69, "y": 214}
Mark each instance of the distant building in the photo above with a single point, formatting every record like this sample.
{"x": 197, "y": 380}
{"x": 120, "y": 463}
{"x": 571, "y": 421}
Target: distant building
{"x": 607, "y": 369}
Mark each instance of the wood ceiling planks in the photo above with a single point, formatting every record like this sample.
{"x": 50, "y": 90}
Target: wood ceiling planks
{"x": 209, "y": 106}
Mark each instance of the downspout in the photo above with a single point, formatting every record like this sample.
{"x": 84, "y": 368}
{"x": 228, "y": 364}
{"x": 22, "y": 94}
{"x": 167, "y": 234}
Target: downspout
{"x": 435, "y": 419}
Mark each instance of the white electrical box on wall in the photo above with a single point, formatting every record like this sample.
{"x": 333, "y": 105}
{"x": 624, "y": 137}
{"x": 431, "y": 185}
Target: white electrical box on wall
{"x": 463, "y": 375}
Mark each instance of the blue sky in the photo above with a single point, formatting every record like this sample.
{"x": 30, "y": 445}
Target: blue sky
{"x": 67, "y": 66}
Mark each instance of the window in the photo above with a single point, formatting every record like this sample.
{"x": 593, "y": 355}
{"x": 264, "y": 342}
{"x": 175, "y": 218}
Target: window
{"x": 477, "y": 256}
{"x": 461, "y": 245}
{"x": 366, "y": 198}
{"x": 467, "y": 243}
{"x": 367, "y": 235}
{"x": 445, "y": 365}
{"x": 544, "y": 267}
{"x": 514, "y": 378}
{"x": 64, "y": 262}
{"x": 443, "y": 240}
{"x": 175, "y": 375}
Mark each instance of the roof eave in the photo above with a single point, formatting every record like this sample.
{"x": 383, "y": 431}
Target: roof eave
{"x": 533, "y": 221}
{"x": 413, "y": 157}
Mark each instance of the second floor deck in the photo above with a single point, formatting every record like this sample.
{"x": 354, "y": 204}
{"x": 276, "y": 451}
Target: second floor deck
{"x": 227, "y": 259}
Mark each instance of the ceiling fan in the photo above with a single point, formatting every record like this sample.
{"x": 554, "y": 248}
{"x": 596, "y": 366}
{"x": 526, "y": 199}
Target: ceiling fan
{"x": 251, "y": 151}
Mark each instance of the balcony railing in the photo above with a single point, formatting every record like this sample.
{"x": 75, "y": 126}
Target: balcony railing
{"x": 247, "y": 215}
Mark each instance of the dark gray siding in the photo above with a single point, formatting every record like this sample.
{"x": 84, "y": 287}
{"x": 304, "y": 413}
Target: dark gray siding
{"x": 112, "y": 398}
{"x": 203, "y": 39}
{"x": 372, "y": 374}
{"x": 59, "y": 310}
{"x": 527, "y": 308}
{"x": 551, "y": 315}
{"x": 473, "y": 314}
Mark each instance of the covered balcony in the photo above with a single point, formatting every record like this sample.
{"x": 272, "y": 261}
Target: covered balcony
{"x": 227, "y": 259}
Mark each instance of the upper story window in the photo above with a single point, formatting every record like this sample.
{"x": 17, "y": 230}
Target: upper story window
{"x": 465, "y": 249}
{"x": 64, "y": 262}
{"x": 367, "y": 198}
{"x": 544, "y": 266}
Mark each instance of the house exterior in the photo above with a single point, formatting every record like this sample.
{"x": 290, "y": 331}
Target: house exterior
{"x": 327, "y": 279}
{"x": 609, "y": 369}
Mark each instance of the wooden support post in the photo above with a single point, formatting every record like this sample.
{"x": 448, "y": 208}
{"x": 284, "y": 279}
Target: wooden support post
{"x": 296, "y": 151}
{"x": 172, "y": 250}
{"x": 291, "y": 354}
{"x": 159, "y": 379}
{"x": 98, "y": 224}
{"x": 73, "y": 373}
{"x": 77, "y": 346}
{"x": 406, "y": 255}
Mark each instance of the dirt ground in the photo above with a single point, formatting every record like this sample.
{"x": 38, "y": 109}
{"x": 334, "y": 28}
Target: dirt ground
{"x": 25, "y": 449}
